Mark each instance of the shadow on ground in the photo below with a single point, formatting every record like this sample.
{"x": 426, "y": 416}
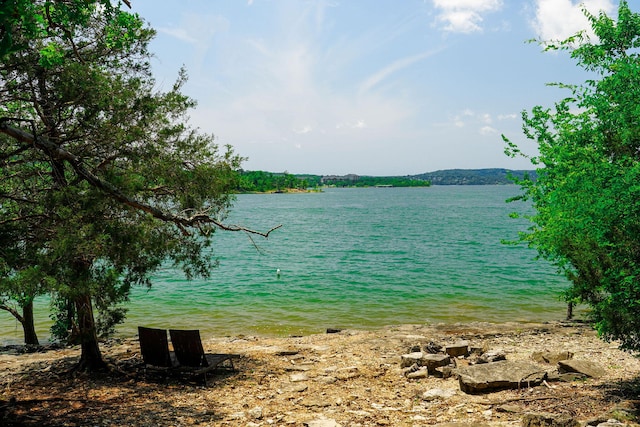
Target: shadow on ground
{"x": 47, "y": 394}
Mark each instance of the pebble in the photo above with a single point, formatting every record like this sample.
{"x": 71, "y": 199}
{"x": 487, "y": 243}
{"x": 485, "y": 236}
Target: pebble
{"x": 420, "y": 373}
{"x": 438, "y": 393}
{"x": 298, "y": 378}
{"x": 322, "y": 423}
{"x": 256, "y": 413}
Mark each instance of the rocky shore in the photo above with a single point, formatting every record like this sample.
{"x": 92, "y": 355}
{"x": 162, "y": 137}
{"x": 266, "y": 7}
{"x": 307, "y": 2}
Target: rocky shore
{"x": 554, "y": 374}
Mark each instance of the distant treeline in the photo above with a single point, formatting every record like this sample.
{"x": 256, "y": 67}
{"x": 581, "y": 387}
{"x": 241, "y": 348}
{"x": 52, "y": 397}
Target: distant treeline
{"x": 264, "y": 182}
{"x": 375, "y": 181}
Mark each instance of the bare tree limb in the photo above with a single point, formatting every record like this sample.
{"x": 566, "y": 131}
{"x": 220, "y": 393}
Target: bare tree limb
{"x": 58, "y": 153}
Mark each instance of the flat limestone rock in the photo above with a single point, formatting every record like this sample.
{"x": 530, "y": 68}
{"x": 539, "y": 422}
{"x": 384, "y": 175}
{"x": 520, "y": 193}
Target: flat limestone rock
{"x": 411, "y": 358}
{"x": 433, "y": 361}
{"x": 296, "y": 378}
{"x": 487, "y": 377}
{"x": 458, "y": 349}
{"x": 586, "y": 367}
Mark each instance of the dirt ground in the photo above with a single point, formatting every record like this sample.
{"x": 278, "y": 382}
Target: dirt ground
{"x": 349, "y": 378}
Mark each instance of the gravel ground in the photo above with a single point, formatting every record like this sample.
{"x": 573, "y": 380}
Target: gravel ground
{"x": 350, "y": 378}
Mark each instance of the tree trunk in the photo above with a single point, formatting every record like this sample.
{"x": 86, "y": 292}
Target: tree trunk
{"x": 570, "y": 310}
{"x": 30, "y": 337}
{"x": 26, "y": 320}
{"x": 90, "y": 357}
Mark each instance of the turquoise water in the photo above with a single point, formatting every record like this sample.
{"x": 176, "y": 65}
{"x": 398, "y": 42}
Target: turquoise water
{"x": 356, "y": 258}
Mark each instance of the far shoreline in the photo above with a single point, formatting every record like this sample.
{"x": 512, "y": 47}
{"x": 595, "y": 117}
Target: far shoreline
{"x": 130, "y": 331}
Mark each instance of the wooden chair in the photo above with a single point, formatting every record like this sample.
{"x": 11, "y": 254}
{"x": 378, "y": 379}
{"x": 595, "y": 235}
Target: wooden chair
{"x": 154, "y": 347}
{"x": 188, "y": 349}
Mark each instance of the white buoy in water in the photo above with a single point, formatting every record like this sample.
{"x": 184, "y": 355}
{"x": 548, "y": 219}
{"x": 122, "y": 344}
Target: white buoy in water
{"x": 278, "y": 273}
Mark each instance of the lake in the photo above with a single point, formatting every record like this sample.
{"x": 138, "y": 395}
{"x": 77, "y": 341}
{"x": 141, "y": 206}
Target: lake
{"x": 354, "y": 258}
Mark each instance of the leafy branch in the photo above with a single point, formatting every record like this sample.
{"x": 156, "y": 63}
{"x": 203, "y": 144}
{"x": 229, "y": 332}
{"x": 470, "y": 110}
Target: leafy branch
{"x": 58, "y": 153}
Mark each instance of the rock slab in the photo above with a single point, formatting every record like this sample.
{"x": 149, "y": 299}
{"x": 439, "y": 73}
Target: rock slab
{"x": 586, "y": 367}
{"x": 487, "y": 377}
{"x": 458, "y": 349}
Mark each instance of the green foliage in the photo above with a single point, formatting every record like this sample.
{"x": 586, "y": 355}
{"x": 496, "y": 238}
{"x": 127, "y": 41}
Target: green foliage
{"x": 587, "y": 196}
{"x": 102, "y": 181}
{"x": 51, "y": 55}
{"x": 62, "y": 317}
{"x": 263, "y": 182}
{"x": 23, "y": 20}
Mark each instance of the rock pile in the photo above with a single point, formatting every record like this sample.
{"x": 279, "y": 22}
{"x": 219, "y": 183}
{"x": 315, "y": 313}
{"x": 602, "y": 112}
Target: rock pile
{"x": 481, "y": 370}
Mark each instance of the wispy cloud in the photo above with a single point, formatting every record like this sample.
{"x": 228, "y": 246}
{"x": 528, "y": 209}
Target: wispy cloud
{"x": 487, "y": 130}
{"x": 359, "y": 124}
{"x": 303, "y": 130}
{"x": 473, "y": 119}
{"x": 400, "y": 64}
{"x": 464, "y": 16}
{"x": 560, "y": 19}
{"x": 339, "y": 86}
{"x": 198, "y": 32}
{"x": 197, "y": 29}
{"x": 179, "y": 33}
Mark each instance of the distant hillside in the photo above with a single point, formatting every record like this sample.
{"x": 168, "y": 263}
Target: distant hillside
{"x": 472, "y": 176}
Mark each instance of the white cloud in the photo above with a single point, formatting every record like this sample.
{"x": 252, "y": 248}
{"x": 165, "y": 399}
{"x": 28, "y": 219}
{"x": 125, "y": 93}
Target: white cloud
{"x": 560, "y": 19}
{"x": 473, "y": 118}
{"x": 487, "y": 130}
{"x": 359, "y": 124}
{"x": 303, "y": 130}
{"x": 464, "y": 16}
{"x": 511, "y": 116}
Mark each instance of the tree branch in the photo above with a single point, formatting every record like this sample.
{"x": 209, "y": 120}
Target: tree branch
{"x": 21, "y": 218}
{"x": 13, "y": 312}
{"x": 59, "y": 153}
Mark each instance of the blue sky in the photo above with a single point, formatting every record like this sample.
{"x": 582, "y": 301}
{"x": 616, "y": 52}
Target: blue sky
{"x": 372, "y": 87}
